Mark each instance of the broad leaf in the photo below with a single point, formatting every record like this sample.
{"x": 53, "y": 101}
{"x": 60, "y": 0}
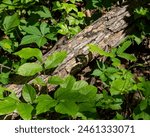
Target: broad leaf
{"x": 27, "y": 53}
{"x": 68, "y": 82}
{"x": 44, "y": 29}
{"x": 55, "y": 59}
{"x": 25, "y": 110}
{"x": 44, "y": 12}
{"x": 29, "y": 69}
{"x": 28, "y": 93}
{"x": 7, "y": 106}
{"x": 32, "y": 30}
{"x": 67, "y": 107}
{"x": 41, "y": 41}
{"x": 39, "y": 81}
{"x": 28, "y": 39}
{"x": 10, "y": 22}
{"x": 79, "y": 85}
{"x": 55, "y": 80}
{"x": 6, "y": 44}
{"x": 45, "y": 102}
{"x": 4, "y": 78}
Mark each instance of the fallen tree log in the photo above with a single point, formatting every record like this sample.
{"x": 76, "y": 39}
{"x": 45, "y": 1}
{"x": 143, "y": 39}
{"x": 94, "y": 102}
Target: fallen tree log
{"x": 106, "y": 32}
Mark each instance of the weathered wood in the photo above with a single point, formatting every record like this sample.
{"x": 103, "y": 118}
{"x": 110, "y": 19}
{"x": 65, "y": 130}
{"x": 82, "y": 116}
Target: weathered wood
{"x": 106, "y": 32}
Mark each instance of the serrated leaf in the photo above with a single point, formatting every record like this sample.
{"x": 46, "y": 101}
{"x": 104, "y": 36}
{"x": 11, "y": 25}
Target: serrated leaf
{"x": 44, "y": 13}
{"x": 120, "y": 86}
{"x": 28, "y": 93}
{"x": 10, "y": 22}
{"x": 7, "y": 106}
{"x": 41, "y": 41}
{"x": 27, "y": 53}
{"x": 32, "y": 30}
{"x": 96, "y": 49}
{"x": 25, "y": 110}
{"x": 63, "y": 28}
{"x": 51, "y": 36}
{"x": 79, "y": 85}
{"x": 55, "y": 59}
{"x": 124, "y": 46}
{"x": 29, "y": 69}
{"x": 28, "y": 39}
{"x": 69, "y": 82}
{"x": 44, "y": 29}
{"x": 127, "y": 56}
{"x": 56, "y": 80}
{"x": 67, "y": 107}
{"x": 45, "y": 102}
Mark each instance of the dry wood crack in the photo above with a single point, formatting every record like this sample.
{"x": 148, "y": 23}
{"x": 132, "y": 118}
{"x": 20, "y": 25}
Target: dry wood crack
{"x": 108, "y": 30}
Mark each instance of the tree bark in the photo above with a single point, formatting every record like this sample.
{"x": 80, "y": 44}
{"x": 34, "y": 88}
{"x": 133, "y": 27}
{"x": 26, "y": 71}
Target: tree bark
{"x": 108, "y": 31}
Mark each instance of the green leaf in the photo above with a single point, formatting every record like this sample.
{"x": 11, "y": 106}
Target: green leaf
{"x": 63, "y": 28}
{"x": 56, "y": 80}
{"x": 39, "y": 81}
{"x": 74, "y": 30}
{"x": 27, "y": 53}
{"x": 10, "y": 22}
{"x": 7, "y": 106}
{"x": 143, "y": 115}
{"x": 28, "y": 93}
{"x": 116, "y": 62}
{"x": 6, "y": 44}
{"x": 44, "y": 12}
{"x": 79, "y": 85}
{"x": 97, "y": 72}
{"x": 124, "y": 46}
{"x": 29, "y": 69}
{"x": 137, "y": 39}
{"x": 44, "y": 29}
{"x": 45, "y": 102}
{"x": 143, "y": 105}
{"x": 146, "y": 90}
{"x": 96, "y": 49}
{"x": 67, "y": 107}
{"x": 120, "y": 86}
{"x": 41, "y": 41}
{"x": 127, "y": 56}
{"x": 4, "y": 78}
{"x": 25, "y": 110}
{"x": 31, "y": 30}
{"x": 68, "y": 82}
{"x": 29, "y": 39}
{"x": 55, "y": 59}
{"x": 87, "y": 107}
{"x": 69, "y": 7}
{"x": 89, "y": 95}
{"x": 51, "y": 36}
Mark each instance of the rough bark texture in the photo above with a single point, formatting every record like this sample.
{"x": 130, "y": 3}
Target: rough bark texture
{"x": 107, "y": 32}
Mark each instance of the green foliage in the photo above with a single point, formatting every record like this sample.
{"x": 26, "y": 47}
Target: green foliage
{"x": 29, "y": 69}
{"x": 38, "y": 36}
{"x": 10, "y": 23}
{"x": 28, "y": 26}
{"x": 55, "y": 59}
{"x": 27, "y": 53}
